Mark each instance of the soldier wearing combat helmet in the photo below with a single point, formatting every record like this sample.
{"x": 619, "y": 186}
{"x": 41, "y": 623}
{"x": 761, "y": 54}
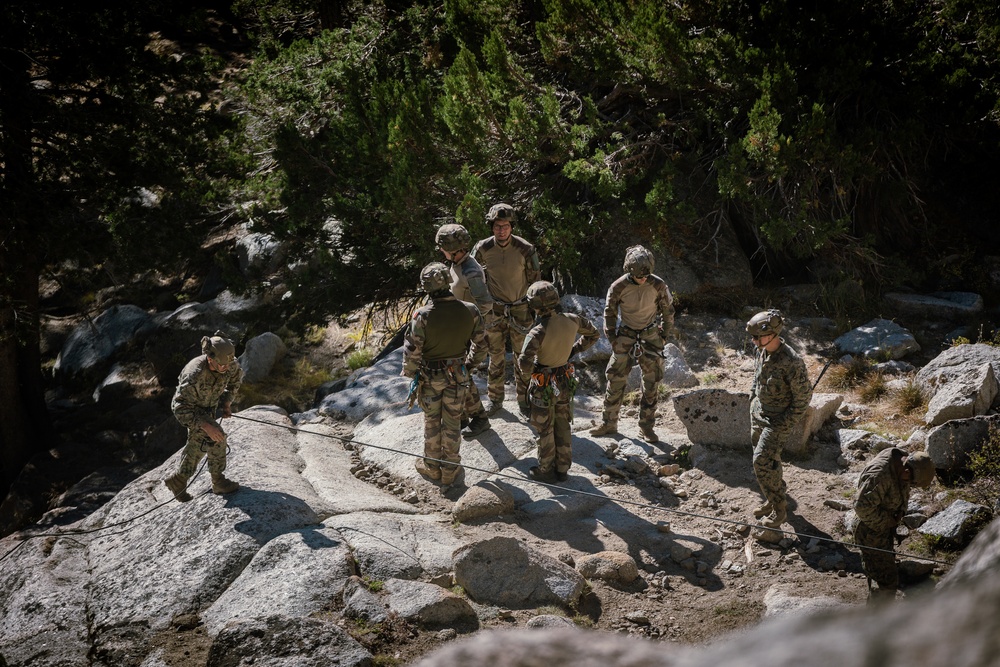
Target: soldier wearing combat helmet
{"x": 779, "y": 396}
{"x": 444, "y": 342}
{"x": 645, "y": 307}
{"x": 882, "y": 499}
{"x": 207, "y": 383}
{"x": 555, "y": 338}
{"x": 511, "y": 265}
{"x": 468, "y": 283}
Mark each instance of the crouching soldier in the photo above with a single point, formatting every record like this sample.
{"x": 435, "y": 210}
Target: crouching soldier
{"x": 445, "y": 341}
{"x": 207, "y": 383}
{"x": 555, "y": 338}
{"x": 882, "y": 499}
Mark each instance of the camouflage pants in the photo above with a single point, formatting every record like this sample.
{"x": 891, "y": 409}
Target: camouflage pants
{"x": 514, "y": 328}
{"x": 198, "y": 445}
{"x": 473, "y": 403}
{"x": 620, "y": 364}
{"x": 550, "y": 417}
{"x": 442, "y": 395}
{"x": 879, "y": 566}
{"x": 767, "y": 445}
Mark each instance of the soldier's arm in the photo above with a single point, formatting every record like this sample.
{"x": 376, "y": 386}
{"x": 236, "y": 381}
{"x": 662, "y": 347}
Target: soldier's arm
{"x": 526, "y": 360}
{"x": 478, "y": 349}
{"x": 532, "y": 267}
{"x": 870, "y": 503}
{"x": 482, "y": 298}
{"x": 589, "y": 335}
{"x": 235, "y": 381}
{"x": 185, "y": 402}
{"x": 611, "y": 304}
{"x": 413, "y": 344}
{"x": 801, "y": 390}
{"x": 665, "y": 304}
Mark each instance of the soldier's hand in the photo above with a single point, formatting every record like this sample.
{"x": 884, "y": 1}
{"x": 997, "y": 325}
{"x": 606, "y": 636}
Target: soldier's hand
{"x": 214, "y": 431}
{"x": 227, "y": 410}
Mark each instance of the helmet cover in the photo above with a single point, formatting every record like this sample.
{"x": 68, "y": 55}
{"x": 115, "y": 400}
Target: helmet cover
{"x": 219, "y": 348}
{"x": 542, "y": 295}
{"x": 452, "y": 238}
{"x": 638, "y": 261}
{"x": 765, "y": 323}
{"x": 922, "y": 468}
{"x": 435, "y": 277}
{"x": 501, "y": 212}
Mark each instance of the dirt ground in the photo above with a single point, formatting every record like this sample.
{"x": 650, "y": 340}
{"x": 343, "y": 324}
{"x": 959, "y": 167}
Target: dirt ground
{"x": 668, "y": 603}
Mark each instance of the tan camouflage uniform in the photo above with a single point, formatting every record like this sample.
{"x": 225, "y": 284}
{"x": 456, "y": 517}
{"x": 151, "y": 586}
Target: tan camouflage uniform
{"x": 545, "y": 358}
{"x": 647, "y": 315}
{"x": 880, "y": 504}
{"x": 200, "y": 392}
{"x": 468, "y": 283}
{"x": 444, "y": 341}
{"x": 510, "y": 269}
{"x": 779, "y": 396}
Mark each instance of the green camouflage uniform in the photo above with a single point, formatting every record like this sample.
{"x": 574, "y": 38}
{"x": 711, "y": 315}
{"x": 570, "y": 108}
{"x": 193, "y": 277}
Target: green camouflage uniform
{"x": 545, "y": 358}
{"x": 468, "y": 283}
{"x": 200, "y": 392}
{"x": 779, "y": 396}
{"x": 444, "y": 341}
{"x": 510, "y": 269}
{"x": 880, "y": 503}
{"x": 647, "y": 315}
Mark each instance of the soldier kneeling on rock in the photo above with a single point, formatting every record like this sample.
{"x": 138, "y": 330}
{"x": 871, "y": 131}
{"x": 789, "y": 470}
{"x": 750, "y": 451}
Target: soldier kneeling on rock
{"x": 207, "y": 383}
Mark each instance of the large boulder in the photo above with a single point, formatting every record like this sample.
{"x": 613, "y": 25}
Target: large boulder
{"x": 878, "y": 339}
{"x": 508, "y": 573}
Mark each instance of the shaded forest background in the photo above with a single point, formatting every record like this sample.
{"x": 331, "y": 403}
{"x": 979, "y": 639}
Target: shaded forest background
{"x": 838, "y": 139}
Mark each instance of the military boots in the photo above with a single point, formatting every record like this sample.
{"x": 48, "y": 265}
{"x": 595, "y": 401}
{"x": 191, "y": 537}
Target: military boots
{"x": 178, "y": 486}
{"x": 762, "y": 511}
{"x": 426, "y": 471}
{"x": 606, "y": 428}
{"x": 475, "y": 427}
{"x": 449, "y": 473}
{"x": 221, "y": 485}
{"x": 648, "y": 434}
{"x": 775, "y": 518}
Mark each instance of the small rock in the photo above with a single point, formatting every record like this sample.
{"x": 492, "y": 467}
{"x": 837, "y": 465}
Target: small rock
{"x": 447, "y": 634}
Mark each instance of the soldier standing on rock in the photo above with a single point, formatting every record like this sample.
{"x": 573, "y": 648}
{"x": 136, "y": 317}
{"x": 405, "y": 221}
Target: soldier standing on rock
{"x": 444, "y": 342}
{"x": 468, "y": 283}
{"x": 207, "y": 383}
{"x": 647, "y": 315}
{"x": 555, "y": 338}
{"x": 779, "y": 397}
{"x": 511, "y": 265}
{"x": 882, "y": 498}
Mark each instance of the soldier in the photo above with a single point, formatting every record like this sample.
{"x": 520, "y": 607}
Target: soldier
{"x": 545, "y": 357}
{"x": 444, "y": 341}
{"x": 779, "y": 397}
{"x": 511, "y": 265}
{"x": 647, "y": 315}
{"x": 882, "y": 499}
{"x": 468, "y": 283}
{"x": 207, "y": 383}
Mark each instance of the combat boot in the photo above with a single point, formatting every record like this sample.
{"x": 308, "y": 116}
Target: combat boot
{"x": 221, "y": 485}
{"x": 449, "y": 473}
{"x": 775, "y": 518}
{"x": 763, "y": 510}
{"x": 524, "y": 408}
{"x": 535, "y": 473}
{"x": 493, "y": 407}
{"x": 475, "y": 427}
{"x": 433, "y": 474}
{"x": 178, "y": 486}
{"x": 606, "y": 428}
{"x": 648, "y": 434}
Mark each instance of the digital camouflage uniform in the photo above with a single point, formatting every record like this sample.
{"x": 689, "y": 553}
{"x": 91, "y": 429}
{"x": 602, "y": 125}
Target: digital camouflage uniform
{"x": 444, "y": 341}
{"x": 779, "y": 396}
{"x": 880, "y": 504}
{"x": 200, "y": 392}
{"x": 545, "y": 359}
{"x": 510, "y": 269}
{"x": 647, "y": 314}
{"x": 468, "y": 283}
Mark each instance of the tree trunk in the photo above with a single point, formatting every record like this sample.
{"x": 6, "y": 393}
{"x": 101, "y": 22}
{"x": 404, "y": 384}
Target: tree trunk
{"x": 25, "y": 428}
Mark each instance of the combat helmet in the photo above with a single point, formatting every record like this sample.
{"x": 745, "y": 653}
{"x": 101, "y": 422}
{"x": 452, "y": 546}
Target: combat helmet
{"x": 501, "y": 212}
{"x": 453, "y": 237}
{"x": 765, "y": 323}
{"x": 542, "y": 296}
{"x": 638, "y": 261}
{"x": 219, "y": 348}
{"x": 435, "y": 277}
{"x": 922, "y": 468}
